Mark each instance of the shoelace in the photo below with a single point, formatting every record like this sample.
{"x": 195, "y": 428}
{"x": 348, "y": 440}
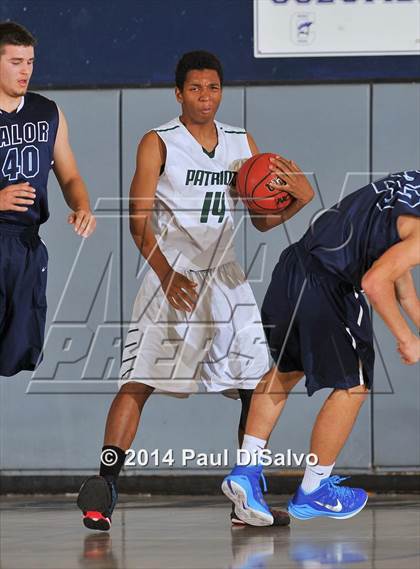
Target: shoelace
{"x": 264, "y": 482}
{"x": 341, "y": 492}
{"x": 258, "y": 487}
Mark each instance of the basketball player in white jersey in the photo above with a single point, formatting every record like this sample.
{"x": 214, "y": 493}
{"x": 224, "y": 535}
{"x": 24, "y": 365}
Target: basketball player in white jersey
{"x": 195, "y": 324}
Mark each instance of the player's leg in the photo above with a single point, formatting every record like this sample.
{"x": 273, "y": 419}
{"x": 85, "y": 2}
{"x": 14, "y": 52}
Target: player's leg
{"x": 152, "y": 340}
{"x": 280, "y": 517}
{"x": 262, "y": 407}
{"x": 237, "y": 356}
{"x": 98, "y": 494}
{"x": 340, "y": 409}
{"x": 343, "y": 359}
{"x": 124, "y": 414}
{"x": 243, "y": 485}
{"x": 332, "y": 359}
{"x": 281, "y": 331}
{"x": 320, "y": 493}
{"x": 245, "y": 396}
{"x": 268, "y": 402}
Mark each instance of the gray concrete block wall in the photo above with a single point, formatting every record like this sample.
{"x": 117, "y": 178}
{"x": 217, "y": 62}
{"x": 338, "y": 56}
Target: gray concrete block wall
{"x": 55, "y": 422}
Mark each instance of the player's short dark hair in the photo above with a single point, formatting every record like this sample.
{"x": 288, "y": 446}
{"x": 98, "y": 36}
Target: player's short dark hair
{"x": 196, "y": 60}
{"x": 12, "y": 33}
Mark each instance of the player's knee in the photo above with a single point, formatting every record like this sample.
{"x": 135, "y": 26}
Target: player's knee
{"x": 135, "y": 389}
{"x": 358, "y": 393}
{"x": 361, "y": 391}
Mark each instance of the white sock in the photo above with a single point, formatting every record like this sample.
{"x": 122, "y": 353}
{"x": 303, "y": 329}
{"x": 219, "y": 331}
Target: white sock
{"x": 314, "y": 475}
{"x": 254, "y": 446}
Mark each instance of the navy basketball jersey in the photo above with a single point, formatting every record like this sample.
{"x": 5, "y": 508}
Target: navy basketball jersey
{"x": 351, "y": 235}
{"x": 27, "y": 138}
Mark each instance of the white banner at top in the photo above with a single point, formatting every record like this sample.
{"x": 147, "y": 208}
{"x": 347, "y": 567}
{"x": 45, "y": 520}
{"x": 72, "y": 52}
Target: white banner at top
{"x": 305, "y": 28}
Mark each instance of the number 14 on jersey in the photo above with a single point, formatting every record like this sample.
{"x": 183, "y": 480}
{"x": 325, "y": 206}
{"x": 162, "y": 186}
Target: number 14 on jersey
{"x": 214, "y": 204}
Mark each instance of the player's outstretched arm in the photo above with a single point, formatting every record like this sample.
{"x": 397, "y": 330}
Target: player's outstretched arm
{"x": 151, "y": 155}
{"x": 71, "y": 182}
{"x": 296, "y": 184}
{"x": 380, "y": 281}
{"x": 407, "y": 297}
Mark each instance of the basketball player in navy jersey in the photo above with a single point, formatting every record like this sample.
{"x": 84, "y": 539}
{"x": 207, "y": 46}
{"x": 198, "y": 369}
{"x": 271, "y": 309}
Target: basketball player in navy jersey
{"x": 33, "y": 138}
{"x": 194, "y": 302}
{"x": 317, "y": 324}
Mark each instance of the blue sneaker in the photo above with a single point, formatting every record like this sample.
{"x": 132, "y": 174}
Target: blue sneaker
{"x": 97, "y": 499}
{"x": 242, "y": 487}
{"x": 329, "y": 500}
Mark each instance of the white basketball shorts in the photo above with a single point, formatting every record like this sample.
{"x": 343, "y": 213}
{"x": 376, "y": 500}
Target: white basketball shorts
{"x": 220, "y": 346}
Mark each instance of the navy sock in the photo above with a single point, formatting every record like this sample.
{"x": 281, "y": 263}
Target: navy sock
{"x": 112, "y": 460}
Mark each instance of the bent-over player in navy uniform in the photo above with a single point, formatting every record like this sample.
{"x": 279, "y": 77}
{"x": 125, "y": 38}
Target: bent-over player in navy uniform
{"x": 318, "y": 325}
{"x": 33, "y": 139}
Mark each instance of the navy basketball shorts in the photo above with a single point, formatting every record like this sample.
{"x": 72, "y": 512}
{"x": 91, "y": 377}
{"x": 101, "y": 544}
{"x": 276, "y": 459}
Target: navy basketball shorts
{"x": 23, "y": 306}
{"x": 317, "y": 323}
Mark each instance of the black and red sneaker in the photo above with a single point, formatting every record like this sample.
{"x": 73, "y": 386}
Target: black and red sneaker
{"x": 280, "y": 518}
{"x": 97, "y": 499}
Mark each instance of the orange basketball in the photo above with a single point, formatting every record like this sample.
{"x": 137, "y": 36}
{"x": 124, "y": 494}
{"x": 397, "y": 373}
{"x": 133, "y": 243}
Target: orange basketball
{"x": 253, "y": 185}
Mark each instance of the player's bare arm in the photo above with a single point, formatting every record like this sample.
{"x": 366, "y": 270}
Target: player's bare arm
{"x": 379, "y": 283}
{"x": 407, "y": 297}
{"x": 71, "y": 182}
{"x": 179, "y": 290}
{"x": 293, "y": 181}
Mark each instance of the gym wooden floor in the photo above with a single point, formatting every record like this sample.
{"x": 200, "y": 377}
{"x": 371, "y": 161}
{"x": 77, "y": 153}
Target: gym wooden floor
{"x": 45, "y": 532}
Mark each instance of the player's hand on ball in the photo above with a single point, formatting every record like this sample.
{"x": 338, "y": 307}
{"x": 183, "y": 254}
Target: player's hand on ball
{"x": 291, "y": 179}
{"x": 410, "y": 350}
{"x": 17, "y": 197}
{"x": 180, "y": 291}
{"x": 84, "y": 222}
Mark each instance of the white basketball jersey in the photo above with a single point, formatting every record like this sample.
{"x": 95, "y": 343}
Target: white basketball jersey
{"x": 193, "y": 218}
